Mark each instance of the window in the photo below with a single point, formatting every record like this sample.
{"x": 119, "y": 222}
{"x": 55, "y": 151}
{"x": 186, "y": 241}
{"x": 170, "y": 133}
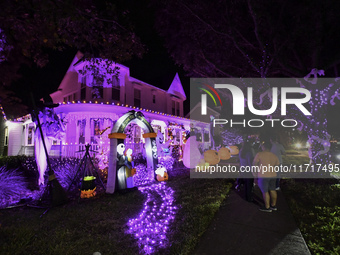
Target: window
{"x": 206, "y": 137}
{"x": 97, "y": 92}
{"x": 137, "y": 97}
{"x": 198, "y": 137}
{"x": 30, "y": 136}
{"x": 175, "y": 107}
{"x": 81, "y": 126}
{"x": 154, "y": 99}
{"x": 65, "y": 100}
{"x": 137, "y": 134}
{"x": 96, "y": 127}
{"x": 83, "y": 89}
{"x": 116, "y": 93}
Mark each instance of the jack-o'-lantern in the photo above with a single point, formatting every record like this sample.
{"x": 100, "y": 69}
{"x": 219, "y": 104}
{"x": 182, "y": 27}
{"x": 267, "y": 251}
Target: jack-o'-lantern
{"x": 234, "y": 150}
{"x": 224, "y": 153}
{"x": 162, "y": 174}
{"x": 161, "y": 178}
{"x": 211, "y": 157}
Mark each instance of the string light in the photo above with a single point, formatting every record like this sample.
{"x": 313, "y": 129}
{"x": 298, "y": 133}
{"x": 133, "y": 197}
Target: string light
{"x": 127, "y": 106}
{"x": 3, "y": 112}
{"x": 152, "y": 224}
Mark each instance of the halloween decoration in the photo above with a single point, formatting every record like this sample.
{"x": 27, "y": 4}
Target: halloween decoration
{"x": 88, "y": 188}
{"x": 191, "y": 154}
{"x": 224, "y": 153}
{"x": 211, "y": 157}
{"x": 234, "y": 150}
{"x": 162, "y": 174}
{"x": 121, "y": 172}
{"x": 88, "y": 174}
{"x": 117, "y": 176}
{"x": 129, "y": 170}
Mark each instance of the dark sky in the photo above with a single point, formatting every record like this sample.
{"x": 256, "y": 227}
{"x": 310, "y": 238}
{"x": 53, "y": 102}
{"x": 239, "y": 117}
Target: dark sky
{"x": 155, "y": 67}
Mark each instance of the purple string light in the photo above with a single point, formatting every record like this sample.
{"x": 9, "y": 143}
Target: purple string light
{"x": 152, "y": 224}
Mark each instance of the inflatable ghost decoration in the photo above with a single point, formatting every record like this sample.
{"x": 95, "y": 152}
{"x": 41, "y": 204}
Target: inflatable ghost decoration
{"x": 191, "y": 154}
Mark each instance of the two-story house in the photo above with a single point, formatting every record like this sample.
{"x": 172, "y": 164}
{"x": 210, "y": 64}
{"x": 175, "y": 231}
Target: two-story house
{"x": 89, "y": 105}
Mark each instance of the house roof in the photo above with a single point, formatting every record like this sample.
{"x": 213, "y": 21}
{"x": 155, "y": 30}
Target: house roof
{"x": 197, "y": 111}
{"x": 176, "y": 88}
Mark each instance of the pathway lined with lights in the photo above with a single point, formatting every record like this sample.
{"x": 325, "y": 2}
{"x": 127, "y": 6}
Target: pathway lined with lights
{"x": 151, "y": 226}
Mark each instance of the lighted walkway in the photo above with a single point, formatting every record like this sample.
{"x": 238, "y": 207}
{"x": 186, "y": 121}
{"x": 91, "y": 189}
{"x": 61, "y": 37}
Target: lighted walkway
{"x": 240, "y": 228}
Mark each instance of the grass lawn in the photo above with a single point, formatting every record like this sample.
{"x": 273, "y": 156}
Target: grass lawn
{"x": 100, "y": 224}
{"x": 315, "y": 207}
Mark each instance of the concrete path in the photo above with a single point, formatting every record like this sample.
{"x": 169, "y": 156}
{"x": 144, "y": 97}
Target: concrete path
{"x": 240, "y": 228}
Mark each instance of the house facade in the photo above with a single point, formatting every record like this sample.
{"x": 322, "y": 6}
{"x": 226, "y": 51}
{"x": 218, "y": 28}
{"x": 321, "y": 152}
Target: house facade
{"x": 89, "y": 107}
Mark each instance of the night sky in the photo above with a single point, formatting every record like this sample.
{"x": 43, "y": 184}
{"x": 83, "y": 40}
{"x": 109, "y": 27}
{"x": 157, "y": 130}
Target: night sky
{"x": 155, "y": 67}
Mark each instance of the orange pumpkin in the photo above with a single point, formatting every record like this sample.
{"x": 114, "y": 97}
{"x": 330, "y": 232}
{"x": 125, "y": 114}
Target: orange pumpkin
{"x": 211, "y": 157}
{"x": 164, "y": 178}
{"x": 224, "y": 153}
{"x": 234, "y": 150}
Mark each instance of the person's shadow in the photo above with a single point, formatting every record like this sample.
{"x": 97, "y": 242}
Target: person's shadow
{"x": 256, "y": 195}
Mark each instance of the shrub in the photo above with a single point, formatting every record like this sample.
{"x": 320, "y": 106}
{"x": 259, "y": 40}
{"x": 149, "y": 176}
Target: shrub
{"x": 65, "y": 170}
{"x": 12, "y": 186}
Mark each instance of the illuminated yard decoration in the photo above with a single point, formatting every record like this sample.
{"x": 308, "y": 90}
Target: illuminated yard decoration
{"x": 117, "y": 137}
{"x": 310, "y": 91}
{"x": 52, "y": 128}
{"x": 315, "y": 125}
{"x": 143, "y": 175}
{"x": 151, "y": 226}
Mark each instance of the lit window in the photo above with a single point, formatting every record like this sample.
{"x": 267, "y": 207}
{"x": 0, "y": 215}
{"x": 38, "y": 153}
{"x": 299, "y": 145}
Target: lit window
{"x": 30, "y": 136}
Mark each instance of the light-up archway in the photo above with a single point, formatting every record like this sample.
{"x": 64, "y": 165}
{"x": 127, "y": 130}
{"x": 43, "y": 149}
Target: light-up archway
{"x": 117, "y": 137}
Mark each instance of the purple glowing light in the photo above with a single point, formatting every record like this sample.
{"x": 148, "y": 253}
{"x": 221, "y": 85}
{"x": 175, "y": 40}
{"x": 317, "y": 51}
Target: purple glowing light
{"x": 152, "y": 224}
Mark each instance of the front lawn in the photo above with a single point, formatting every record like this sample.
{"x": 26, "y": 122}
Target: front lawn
{"x": 100, "y": 223}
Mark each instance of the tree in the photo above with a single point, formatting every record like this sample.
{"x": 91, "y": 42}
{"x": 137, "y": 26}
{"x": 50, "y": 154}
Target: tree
{"x": 251, "y": 38}
{"x": 257, "y": 39}
{"x": 29, "y": 30}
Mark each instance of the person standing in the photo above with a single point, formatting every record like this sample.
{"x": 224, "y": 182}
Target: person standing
{"x": 266, "y": 161}
{"x": 278, "y": 150}
{"x": 246, "y": 156}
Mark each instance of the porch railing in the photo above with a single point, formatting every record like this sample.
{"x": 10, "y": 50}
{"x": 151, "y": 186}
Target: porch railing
{"x": 77, "y": 150}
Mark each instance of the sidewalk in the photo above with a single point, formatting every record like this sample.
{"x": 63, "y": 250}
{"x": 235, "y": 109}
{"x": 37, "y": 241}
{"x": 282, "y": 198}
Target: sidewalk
{"x": 240, "y": 228}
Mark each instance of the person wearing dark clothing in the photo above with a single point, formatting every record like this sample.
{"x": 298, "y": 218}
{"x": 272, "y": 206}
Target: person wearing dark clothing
{"x": 246, "y": 156}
